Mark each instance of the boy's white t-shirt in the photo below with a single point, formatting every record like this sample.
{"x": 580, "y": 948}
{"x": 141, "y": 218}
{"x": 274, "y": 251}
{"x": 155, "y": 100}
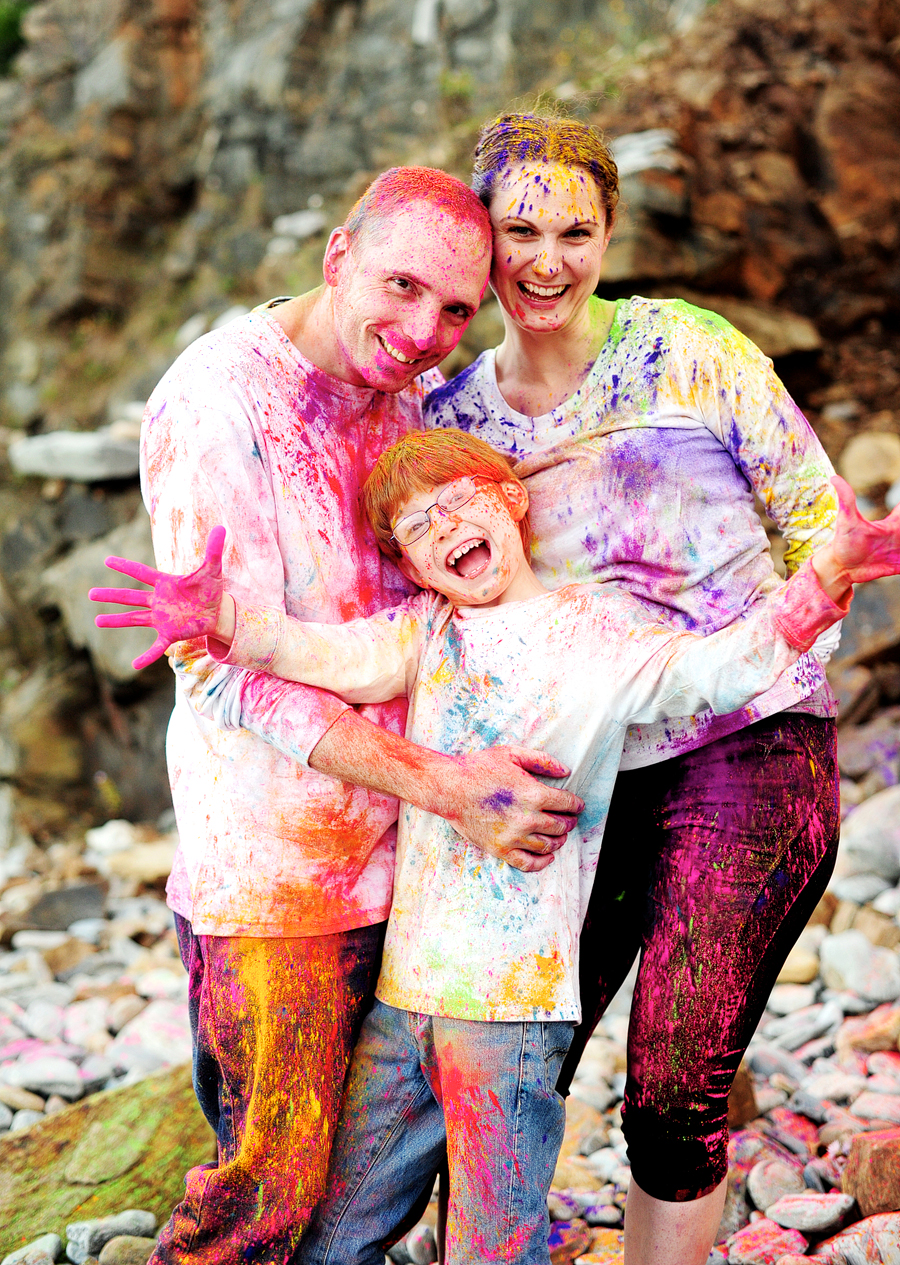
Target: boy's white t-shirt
{"x": 469, "y": 936}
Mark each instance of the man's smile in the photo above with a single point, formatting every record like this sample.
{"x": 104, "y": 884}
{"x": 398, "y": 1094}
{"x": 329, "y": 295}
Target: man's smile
{"x": 396, "y": 352}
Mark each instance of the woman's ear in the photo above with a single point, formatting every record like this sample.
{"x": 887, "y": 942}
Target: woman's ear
{"x": 408, "y": 569}
{"x": 516, "y": 498}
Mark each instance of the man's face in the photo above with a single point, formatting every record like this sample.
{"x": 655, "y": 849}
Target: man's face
{"x": 472, "y": 555}
{"x": 403, "y": 295}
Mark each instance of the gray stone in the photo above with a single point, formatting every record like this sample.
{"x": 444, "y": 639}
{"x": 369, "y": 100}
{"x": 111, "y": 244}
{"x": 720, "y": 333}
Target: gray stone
{"x": 770, "y": 1179}
{"x": 794, "y": 1030}
{"x": 835, "y": 1086}
{"x": 888, "y": 902}
{"x": 869, "y": 1106}
{"x": 66, "y": 585}
{"x": 86, "y": 1238}
{"x": 105, "y": 79}
{"x": 85, "y": 456}
{"x": 47, "y": 1075}
{"x": 784, "y": 999}
{"x": 420, "y": 1244}
{"x": 873, "y": 622}
{"x": 870, "y": 836}
{"x": 860, "y": 888}
{"x": 6, "y": 1116}
{"x": 48, "y": 1244}
{"x": 850, "y": 961}
{"x": 158, "y": 1036}
{"x": 766, "y": 1059}
{"x": 127, "y": 1249}
{"x": 25, "y": 1118}
{"x": 300, "y": 224}
{"x": 811, "y": 1211}
{"x": 57, "y": 910}
{"x": 44, "y": 1020}
{"x": 88, "y": 929}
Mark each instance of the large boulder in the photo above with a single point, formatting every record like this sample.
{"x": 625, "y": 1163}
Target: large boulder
{"x": 123, "y": 1148}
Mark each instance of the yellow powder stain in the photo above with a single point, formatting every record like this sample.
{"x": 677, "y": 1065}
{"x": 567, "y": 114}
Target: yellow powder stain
{"x": 538, "y": 978}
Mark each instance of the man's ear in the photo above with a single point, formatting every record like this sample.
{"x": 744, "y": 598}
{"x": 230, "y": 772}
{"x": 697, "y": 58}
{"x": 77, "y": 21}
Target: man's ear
{"x": 408, "y": 569}
{"x": 516, "y": 498}
{"x": 337, "y": 254}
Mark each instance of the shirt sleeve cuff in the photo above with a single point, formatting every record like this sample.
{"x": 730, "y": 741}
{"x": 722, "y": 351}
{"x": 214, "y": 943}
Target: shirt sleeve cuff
{"x": 257, "y": 636}
{"x": 803, "y": 610}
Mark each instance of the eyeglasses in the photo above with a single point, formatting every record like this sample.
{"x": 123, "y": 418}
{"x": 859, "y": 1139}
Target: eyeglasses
{"x": 454, "y": 496}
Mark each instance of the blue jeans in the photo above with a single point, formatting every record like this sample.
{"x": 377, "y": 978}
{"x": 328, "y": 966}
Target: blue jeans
{"x": 421, "y": 1086}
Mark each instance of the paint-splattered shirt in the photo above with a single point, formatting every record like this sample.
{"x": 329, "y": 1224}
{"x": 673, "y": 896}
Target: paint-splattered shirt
{"x": 468, "y": 935}
{"x": 244, "y": 431}
{"x": 644, "y": 478}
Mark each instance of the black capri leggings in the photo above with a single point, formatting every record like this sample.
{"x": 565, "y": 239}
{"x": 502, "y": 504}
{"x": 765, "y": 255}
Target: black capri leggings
{"x": 711, "y": 865}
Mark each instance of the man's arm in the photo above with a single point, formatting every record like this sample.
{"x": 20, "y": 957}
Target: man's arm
{"x": 489, "y": 797}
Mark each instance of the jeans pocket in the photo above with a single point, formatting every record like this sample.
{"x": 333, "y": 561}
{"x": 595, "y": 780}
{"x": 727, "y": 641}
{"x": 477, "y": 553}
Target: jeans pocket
{"x": 556, "y": 1037}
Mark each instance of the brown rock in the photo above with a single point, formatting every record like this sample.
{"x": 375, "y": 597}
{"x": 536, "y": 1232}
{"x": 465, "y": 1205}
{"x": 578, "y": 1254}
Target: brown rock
{"x": 825, "y": 910}
{"x": 127, "y": 1249}
{"x": 871, "y": 460}
{"x": 124, "y": 1009}
{"x": 878, "y": 1030}
{"x": 844, "y": 916}
{"x": 878, "y": 928}
{"x": 67, "y": 955}
{"x": 801, "y": 967}
{"x": 20, "y": 1099}
{"x": 872, "y": 1172}
{"x": 741, "y": 1099}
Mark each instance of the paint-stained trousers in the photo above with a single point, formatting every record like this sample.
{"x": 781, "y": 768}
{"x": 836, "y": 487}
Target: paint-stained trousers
{"x": 711, "y": 865}
{"x": 274, "y": 1022}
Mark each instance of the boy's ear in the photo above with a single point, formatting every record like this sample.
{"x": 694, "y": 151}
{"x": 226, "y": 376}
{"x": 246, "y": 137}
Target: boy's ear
{"x": 516, "y": 498}
{"x": 408, "y": 569}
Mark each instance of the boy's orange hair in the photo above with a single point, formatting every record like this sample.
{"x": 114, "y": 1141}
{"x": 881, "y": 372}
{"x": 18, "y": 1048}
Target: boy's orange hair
{"x": 422, "y": 460}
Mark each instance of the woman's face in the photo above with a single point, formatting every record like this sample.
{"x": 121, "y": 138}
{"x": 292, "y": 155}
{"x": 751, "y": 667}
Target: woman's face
{"x": 549, "y": 237}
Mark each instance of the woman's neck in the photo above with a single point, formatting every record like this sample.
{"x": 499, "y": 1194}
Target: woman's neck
{"x": 538, "y": 371}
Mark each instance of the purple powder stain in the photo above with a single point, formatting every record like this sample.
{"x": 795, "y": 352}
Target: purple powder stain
{"x": 499, "y": 799}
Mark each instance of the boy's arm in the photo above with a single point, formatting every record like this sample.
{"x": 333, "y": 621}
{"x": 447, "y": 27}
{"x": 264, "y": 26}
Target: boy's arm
{"x": 367, "y": 660}
{"x": 726, "y": 670}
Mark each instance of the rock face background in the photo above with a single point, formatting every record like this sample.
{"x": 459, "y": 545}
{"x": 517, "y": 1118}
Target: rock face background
{"x": 166, "y": 164}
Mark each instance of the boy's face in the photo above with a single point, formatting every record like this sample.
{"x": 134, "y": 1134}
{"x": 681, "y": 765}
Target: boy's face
{"x": 473, "y": 555}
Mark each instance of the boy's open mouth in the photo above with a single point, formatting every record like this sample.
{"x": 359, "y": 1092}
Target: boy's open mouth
{"x": 541, "y": 293}
{"x": 470, "y": 558}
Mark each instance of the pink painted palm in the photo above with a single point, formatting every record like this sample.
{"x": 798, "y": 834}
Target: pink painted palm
{"x": 179, "y": 607}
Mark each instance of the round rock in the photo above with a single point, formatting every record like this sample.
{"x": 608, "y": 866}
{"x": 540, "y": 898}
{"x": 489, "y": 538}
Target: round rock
{"x": 810, "y": 1212}
{"x": 48, "y": 1246}
{"x": 127, "y": 1249}
{"x": 770, "y": 1180}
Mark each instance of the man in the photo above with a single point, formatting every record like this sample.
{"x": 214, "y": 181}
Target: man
{"x": 283, "y": 878}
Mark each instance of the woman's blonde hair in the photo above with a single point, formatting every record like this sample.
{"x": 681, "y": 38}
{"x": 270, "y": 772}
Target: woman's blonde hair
{"x": 510, "y": 139}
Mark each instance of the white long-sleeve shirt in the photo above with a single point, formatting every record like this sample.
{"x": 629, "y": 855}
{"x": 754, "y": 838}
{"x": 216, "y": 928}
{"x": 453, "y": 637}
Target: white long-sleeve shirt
{"x": 645, "y": 479}
{"x": 469, "y": 936}
{"x": 243, "y": 431}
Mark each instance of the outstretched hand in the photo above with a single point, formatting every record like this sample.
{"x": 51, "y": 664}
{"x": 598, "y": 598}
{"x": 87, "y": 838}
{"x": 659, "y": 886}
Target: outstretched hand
{"x": 179, "y": 607}
{"x": 864, "y": 550}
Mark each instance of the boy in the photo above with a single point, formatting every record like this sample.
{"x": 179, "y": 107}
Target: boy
{"x": 478, "y": 990}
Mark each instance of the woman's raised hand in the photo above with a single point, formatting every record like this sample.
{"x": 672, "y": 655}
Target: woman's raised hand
{"x": 860, "y": 549}
{"x": 179, "y": 607}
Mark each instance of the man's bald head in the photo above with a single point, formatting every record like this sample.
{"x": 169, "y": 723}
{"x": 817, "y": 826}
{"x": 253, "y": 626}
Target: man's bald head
{"x": 397, "y": 189}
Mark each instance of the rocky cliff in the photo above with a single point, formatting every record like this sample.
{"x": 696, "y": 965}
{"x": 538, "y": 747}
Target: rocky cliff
{"x": 169, "y": 162}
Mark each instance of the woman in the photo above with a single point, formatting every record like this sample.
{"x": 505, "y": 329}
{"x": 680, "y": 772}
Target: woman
{"x": 643, "y": 428}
